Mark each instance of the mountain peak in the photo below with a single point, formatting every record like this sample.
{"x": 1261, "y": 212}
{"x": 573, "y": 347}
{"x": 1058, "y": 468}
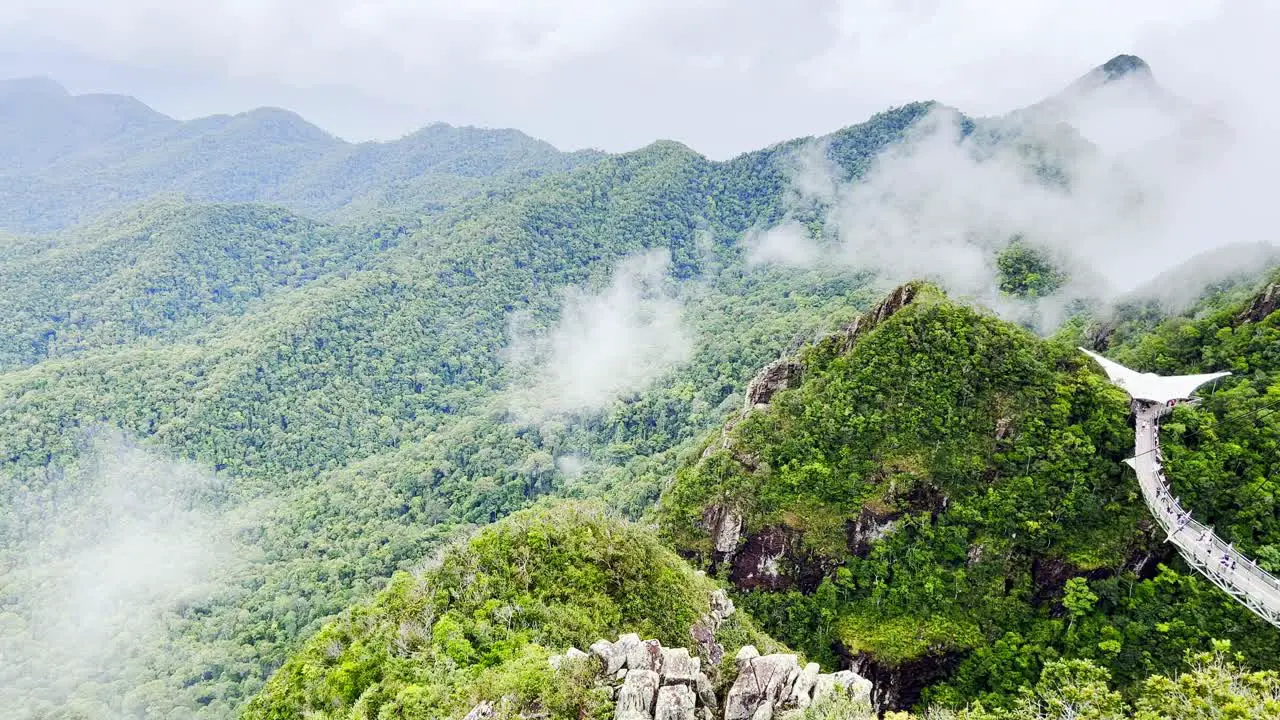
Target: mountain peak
{"x": 1122, "y": 65}
{"x": 36, "y": 85}
{"x": 1129, "y": 68}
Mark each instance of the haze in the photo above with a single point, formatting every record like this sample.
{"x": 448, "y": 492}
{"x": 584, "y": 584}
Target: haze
{"x": 721, "y": 77}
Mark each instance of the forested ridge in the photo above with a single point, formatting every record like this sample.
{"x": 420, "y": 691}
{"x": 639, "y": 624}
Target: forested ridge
{"x": 303, "y": 356}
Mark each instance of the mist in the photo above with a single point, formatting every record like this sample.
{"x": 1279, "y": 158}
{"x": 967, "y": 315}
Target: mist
{"x": 100, "y": 574}
{"x": 607, "y": 343}
{"x": 1116, "y": 182}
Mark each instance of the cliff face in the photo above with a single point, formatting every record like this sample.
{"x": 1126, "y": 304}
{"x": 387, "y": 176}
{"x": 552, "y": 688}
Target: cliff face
{"x": 758, "y": 565}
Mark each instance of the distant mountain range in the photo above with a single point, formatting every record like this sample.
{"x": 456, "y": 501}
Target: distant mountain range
{"x": 64, "y": 158}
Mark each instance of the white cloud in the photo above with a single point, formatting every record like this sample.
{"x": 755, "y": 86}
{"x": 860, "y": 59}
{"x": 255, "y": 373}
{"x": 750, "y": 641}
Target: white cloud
{"x": 743, "y": 74}
{"x": 1153, "y": 182}
{"x": 606, "y": 344}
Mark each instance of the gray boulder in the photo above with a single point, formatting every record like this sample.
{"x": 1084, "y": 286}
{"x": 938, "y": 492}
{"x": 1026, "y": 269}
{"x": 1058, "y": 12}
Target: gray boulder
{"x": 745, "y": 655}
{"x": 482, "y": 711}
{"x": 846, "y": 681}
{"x": 646, "y": 655}
{"x": 762, "y": 684}
{"x": 706, "y": 694}
{"x": 675, "y": 702}
{"x": 637, "y": 695}
{"x": 612, "y": 655}
{"x": 679, "y": 668}
{"x": 802, "y": 690}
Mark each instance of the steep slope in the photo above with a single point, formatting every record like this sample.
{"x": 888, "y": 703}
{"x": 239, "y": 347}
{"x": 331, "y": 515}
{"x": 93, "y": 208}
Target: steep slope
{"x": 482, "y": 624}
{"x": 939, "y": 494}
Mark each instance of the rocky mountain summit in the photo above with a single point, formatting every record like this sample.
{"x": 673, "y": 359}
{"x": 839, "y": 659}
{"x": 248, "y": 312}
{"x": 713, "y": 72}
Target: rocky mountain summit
{"x": 650, "y": 682}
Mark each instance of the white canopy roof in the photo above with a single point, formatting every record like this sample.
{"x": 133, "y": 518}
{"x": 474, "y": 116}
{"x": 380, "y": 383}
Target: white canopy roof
{"x": 1152, "y": 387}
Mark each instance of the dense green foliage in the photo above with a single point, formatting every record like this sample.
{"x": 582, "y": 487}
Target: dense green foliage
{"x": 1026, "y": 272}
{"x": 345, "y": 383}
{"x": 1214, "y": 686}
{"x": 947, "y": 490}
{"x": 481, "y": 624}
{"x": 988, "y": 460}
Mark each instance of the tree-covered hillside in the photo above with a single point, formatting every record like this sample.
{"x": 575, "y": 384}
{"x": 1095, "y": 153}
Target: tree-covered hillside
{"x": 346, "y": 383}
{"x": 281, "y": 371}
{"x": 937, "y": 497}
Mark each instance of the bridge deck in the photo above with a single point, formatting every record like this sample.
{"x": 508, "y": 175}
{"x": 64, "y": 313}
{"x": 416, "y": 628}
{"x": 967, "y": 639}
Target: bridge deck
{"x": 1239, "y": 576}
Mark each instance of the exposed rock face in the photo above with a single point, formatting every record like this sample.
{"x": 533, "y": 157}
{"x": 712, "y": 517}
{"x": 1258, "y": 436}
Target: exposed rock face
{"x": 802, "y": 691}
{"x": 637, "y": 696}
{"x": 781, "y": 374}
{"x": 759, "y": 565}
{"x": 482, "y": 711}
{"x": 726, "y": 529}
{"x": 894, "y": 687}
{"x": 613, "y": 656}
{"x": 868, "y": 527}
{"x": 704, "y": 631}
{"x": 767, "y": 686}
{"x": 762, "y": 683}
{"x": 1265, "y": 303}
{"x": 645, "y": 655}
{"x": 679, "y": 668}
{"x": 675, "y": 702}
{"x": 899, "y": 298}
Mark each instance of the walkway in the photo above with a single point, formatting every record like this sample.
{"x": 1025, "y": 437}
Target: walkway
{"x": 1237, "y": 575}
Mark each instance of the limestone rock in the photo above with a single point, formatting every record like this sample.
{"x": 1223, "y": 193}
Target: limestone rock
{"x": 762, "y": 683}
{"x": 612, "y": 656}
{"x": 482, "y": 711}
{"x": 728, "y": 529}
{"x": 679, "y": 668}
{"x": 721, "y": 605}
{"x": 675, "y": 702}
{"x": 645, "y": 655}
{"x": 846, "y": 681}
{"x": 802, "y": 689}
{"x": 746, "y": 654}
{"x": 637, "y": 695}
{"x": 706, "y": 694}
{"x": 781, "y": 374}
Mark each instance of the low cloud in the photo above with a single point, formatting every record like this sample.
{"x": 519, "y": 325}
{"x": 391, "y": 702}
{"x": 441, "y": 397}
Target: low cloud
{"x": 1117, "y": 185}
{"x": 606, "y": 345}
{"x": 99, "y": 573}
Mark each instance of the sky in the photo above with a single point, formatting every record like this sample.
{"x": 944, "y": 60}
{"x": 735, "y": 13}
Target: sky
{"x": 722, "y": 76}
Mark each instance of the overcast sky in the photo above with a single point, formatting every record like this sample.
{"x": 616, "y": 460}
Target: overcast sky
{"x": 722, "y": 76}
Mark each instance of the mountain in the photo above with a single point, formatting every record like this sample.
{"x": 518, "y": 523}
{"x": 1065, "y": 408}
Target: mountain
{"x": 67, "y": 158}
{"x": 282, "y": 372}
{"x": 40, "y": 122}
{"x": 928, "y": 486}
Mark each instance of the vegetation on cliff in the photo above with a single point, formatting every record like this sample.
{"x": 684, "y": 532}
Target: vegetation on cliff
{"x": 938, "y": 497}
{"x": 481, "y": 623}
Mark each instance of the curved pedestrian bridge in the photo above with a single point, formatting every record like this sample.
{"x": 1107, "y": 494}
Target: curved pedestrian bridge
{"x": 1238, "y": 576}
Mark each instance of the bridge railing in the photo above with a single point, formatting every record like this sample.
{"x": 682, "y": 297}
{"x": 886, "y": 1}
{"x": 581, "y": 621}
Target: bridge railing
{"x": 1202, "y": 547}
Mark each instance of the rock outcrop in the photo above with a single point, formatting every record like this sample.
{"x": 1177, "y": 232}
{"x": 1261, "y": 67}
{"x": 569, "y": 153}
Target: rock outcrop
{"x": 670, "y": 684}
{"x": 704, "y": 631}
{"x": 1263, "y": 304}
